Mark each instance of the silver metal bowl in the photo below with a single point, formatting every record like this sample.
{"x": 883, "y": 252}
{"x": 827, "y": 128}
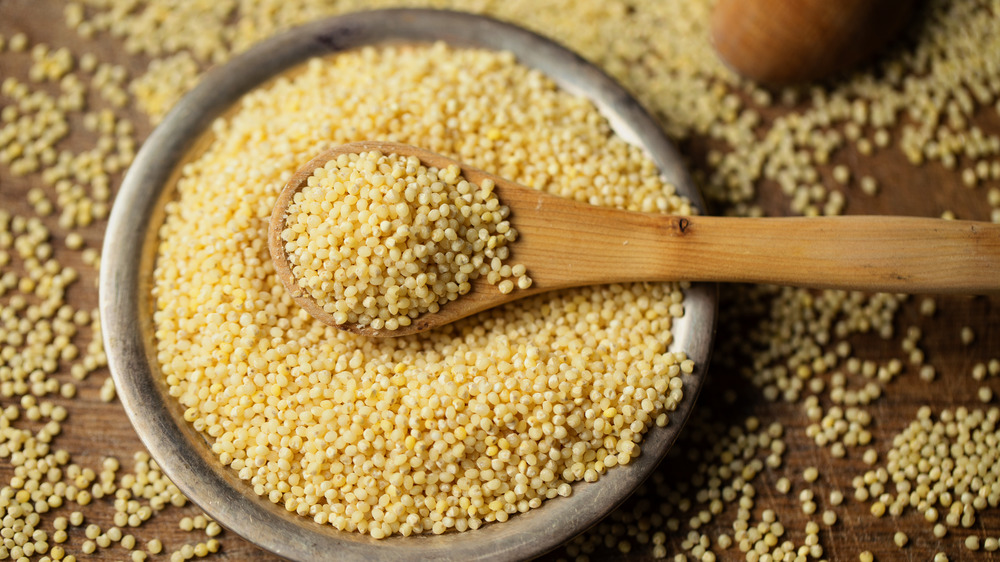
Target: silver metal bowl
{"x": 126, "y": 303}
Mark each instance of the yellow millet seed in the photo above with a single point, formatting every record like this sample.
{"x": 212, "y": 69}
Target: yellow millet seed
{"x": 810, "y": 474}
{"x": 836, "y": 497}
{"x": 18, "y": 42}
{"x": 870, "y": 456}
{"x": 967, "y": 335}
{"x": 783, "y": 485}
{"x": 378, "y": 239}
{"x": 841, "y": 174}
{"x": 107, "y": 393}
{"x": 93, "y": 531}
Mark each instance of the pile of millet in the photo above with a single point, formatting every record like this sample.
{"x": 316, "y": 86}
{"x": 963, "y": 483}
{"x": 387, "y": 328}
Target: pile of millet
{"x": 378, "y": 239}
{"x": 447, "y": 430}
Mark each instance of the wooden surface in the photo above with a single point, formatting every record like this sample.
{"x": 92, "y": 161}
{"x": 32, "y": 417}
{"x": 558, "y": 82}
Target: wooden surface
{"x": 565, "y": 243}
{"x": 96, "y": 429}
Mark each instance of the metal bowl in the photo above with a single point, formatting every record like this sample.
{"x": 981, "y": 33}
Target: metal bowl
{"x": 126, "y": 302}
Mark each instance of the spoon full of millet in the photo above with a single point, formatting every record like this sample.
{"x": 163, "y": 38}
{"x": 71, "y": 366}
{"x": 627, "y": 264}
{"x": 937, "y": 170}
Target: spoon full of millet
{"x": 556, "y": 243}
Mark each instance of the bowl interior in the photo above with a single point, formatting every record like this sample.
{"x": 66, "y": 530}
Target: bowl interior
{"x": 126, "y": 279}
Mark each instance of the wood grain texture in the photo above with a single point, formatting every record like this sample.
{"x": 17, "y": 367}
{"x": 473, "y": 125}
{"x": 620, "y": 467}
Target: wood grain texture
{"x": 96, "y": 429}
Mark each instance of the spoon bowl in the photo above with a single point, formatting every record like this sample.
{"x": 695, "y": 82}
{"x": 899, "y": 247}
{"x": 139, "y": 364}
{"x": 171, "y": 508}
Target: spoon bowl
{"x": 565, "y": 243}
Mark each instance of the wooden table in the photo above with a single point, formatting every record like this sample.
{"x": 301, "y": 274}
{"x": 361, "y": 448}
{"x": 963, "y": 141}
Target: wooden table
{"x": 96, "y": 429}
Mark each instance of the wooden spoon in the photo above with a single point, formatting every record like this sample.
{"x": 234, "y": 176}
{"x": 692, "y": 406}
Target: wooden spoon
{"x": 565, "y": 243}
{"x": 785, "y": 41}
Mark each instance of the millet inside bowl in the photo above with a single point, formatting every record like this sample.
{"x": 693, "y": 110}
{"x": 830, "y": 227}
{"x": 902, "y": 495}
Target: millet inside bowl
{"x": 126, "y": 300}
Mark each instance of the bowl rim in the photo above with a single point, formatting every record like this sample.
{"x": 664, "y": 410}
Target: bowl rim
{"x": 125, "y": 296}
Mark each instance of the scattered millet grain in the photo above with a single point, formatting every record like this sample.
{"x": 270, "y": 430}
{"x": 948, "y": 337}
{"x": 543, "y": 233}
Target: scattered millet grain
{"x": 836, "y": 497}
{"x": 967, "y": 335}
{"x": 107, "y": 393}
{"x": 928, "y": 306}
{"x": 378, "y": 239}
{"x": 979, "y": 371}
{"x": 878, "y": 509}
{"x": 841, "y": 174}
{"x": 810, "y": 474}
{"x": 783, "y": 485}
{"x": 18, "y": 42}
{"x": 870, "y": 456}
{"x": 900, "y": 539}
{"x": 869, "y": 186}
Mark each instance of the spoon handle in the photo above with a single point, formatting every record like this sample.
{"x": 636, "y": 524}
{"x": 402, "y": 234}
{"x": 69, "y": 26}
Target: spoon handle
{"x": 869, "y": 253}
